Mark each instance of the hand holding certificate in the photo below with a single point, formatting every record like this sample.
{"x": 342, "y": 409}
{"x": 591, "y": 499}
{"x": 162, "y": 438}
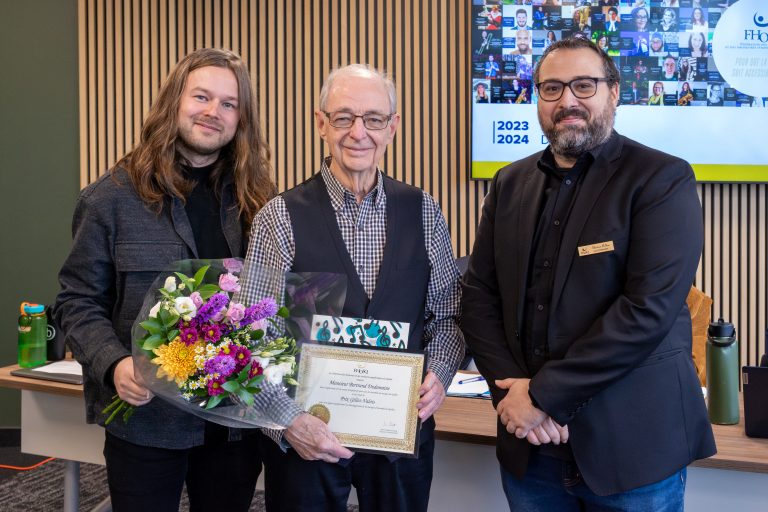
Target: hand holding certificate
{"x": 367, "y": 397}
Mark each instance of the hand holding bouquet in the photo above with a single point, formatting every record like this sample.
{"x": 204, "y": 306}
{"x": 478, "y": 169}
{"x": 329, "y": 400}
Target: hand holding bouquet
{"x": 206, "y": 348}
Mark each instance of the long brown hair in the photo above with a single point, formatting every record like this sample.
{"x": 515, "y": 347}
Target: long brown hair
{"x": 153, "y": 163}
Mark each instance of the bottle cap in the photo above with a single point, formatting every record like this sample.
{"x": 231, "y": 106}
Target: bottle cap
{"x": 34, "y": 309}
{"x": 721, "y": 329}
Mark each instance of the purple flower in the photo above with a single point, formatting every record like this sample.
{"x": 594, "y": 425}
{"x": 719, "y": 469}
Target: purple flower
{"x": 228, "y": 283}
{"x": 261, "y": 310}
{"x": 188, "y": 335}
{"x": 197, "y": 299}
{"x": 236, "y": 312}
{"x": 214, "y": 386}
{"x": 222, "y": 364}
{"x": 242, "y": 357}
{"x": 211, "y": 332}
{"x": 233, "y": 265}
{"x": 212, "y": 308}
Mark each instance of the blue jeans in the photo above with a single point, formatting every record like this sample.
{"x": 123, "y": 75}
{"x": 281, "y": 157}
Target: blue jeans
{"x": 554, "y": 485}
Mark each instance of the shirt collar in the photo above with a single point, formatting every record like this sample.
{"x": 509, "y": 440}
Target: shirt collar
{"x": 548, "y": 165}
{"x": 339, "y": 194}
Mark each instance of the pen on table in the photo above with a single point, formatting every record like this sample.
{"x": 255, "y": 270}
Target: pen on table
{"x": 473, "y": 379}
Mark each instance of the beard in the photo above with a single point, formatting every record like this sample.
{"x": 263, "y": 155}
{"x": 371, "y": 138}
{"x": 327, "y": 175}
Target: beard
{"x": 574, "y": 141}
{"x": 201, "y": 145}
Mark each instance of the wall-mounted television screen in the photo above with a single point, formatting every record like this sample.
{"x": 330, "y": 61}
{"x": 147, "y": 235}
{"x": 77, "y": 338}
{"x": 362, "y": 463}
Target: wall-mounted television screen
{"x": 694, "y": 77}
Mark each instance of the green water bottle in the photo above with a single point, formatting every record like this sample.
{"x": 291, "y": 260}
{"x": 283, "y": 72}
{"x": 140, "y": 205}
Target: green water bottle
{"x": 722, "y": 373}
{"x": 33, "y": 335}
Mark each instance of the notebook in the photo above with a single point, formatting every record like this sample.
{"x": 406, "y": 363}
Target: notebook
{"x": 67, "y": 371}
{"x": 755, "y": 379}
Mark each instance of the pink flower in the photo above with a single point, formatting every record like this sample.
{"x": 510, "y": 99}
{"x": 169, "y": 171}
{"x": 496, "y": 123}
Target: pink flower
{"x": 259, "y": 324}
{"x": 236, "y": 312}
{"x": 233, "y": 265}
{"x": 214, "y": 386}
{"x": 197, "y": 299}
{"x": 255, "y": 369}
{"x": 228, "y": 283}
{"x": 211, "y": 332}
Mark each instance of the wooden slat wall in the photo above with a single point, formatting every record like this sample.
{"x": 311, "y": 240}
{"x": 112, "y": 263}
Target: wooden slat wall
{"x": 127, "y": 48}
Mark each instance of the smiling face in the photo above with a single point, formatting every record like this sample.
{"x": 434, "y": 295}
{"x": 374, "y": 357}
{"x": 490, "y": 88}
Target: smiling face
{"x": 523, "y": 40}
{"x": 357, "y": 150}
{"x": 697, "y": 41}
{"x": 208, "y": 114}
{"x": 522, "y": 19}
{"x": 572, "y": 125}
{"x": 658, "y": 89}
{"x": 641, "y": 19}
{"x": 669, "y": 66}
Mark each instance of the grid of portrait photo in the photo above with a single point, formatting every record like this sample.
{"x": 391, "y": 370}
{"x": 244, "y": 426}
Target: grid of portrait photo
{"x": 663, "y": 48}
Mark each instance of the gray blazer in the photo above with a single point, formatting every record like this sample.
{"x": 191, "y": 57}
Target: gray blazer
{"x": 119, "y": 247}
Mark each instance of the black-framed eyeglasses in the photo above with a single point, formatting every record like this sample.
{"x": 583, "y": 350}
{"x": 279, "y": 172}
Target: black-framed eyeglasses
{"x": 342, "y": 119}
{"x": 582, "y": 88}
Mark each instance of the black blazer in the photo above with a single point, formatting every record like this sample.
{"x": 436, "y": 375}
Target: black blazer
{"x": 621, "y": 374}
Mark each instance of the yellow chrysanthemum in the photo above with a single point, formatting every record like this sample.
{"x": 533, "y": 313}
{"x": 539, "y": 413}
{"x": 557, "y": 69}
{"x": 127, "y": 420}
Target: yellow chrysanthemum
{"x": 176, "y": 361}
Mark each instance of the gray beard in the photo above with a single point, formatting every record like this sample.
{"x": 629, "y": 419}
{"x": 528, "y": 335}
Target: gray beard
{"x": 574, "y": 141}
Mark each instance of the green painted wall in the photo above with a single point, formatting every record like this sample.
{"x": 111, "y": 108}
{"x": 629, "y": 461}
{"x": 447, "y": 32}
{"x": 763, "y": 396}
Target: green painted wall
{"x": 39, "y": 162}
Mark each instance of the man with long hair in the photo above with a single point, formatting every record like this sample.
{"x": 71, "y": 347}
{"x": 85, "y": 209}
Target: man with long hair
{"x": 189, "y": 189}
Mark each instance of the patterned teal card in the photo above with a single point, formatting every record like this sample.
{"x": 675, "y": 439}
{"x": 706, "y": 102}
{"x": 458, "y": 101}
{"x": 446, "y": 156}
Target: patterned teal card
{"x": 360, "y": 331}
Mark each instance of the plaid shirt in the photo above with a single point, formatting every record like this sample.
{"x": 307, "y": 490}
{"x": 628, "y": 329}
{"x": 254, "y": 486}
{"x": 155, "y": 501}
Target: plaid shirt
{"x": 363, "y": 227}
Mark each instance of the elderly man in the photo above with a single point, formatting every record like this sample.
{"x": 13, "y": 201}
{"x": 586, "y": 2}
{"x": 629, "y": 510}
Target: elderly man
{"x": 574, "y": 305}
{"x": 392, "y": 243}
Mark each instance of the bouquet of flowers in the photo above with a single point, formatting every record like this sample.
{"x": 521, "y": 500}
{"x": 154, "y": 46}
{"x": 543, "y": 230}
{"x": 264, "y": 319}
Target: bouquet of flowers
{"x": 201, "y": 349}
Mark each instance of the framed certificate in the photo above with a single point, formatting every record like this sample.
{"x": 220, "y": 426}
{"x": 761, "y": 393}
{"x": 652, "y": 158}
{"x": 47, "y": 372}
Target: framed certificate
{"x": 367, "y": 397}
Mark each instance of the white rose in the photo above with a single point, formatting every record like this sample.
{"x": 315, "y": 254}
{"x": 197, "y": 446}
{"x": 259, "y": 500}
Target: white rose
{"x": 154, "y": 311}
{"x": 170, "y": 284}
{"x": 274, "y": 374}
{"x": 185, "y": 307}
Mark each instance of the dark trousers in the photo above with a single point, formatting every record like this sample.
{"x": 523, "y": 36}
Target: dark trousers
{"x": 296, "y": 485}
{"x": 220, "y": 474}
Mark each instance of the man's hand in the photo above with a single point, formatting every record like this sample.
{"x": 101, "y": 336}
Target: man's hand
{"x": 312, "y": 440}
{"x": 516, "y": 411}
{"x": 547, "y": 432}
{"x": 129, "y": 385}
{"x": 431, "y": 396}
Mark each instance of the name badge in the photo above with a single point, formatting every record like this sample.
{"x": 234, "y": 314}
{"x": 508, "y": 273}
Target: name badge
{"x": 588, "y": 250}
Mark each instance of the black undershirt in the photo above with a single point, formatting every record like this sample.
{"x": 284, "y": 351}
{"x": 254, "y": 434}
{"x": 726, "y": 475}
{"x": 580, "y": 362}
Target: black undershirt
{"x": 204, "y": 212}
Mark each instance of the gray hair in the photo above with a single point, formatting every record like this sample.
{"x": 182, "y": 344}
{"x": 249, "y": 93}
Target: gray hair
{"x": 361, "y": 70}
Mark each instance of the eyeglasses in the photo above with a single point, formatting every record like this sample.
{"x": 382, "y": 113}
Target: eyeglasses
{"x": 341, "y": 119}
{"x": 582, "y": 88}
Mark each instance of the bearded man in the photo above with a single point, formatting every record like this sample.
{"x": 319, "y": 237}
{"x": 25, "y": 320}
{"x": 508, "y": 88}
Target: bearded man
{"x": 574, "y": 305}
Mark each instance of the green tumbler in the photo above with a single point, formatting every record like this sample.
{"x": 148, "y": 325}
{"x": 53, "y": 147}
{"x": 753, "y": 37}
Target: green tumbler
{"x": 33, "y": 335}
{"x": 722, "y": 373}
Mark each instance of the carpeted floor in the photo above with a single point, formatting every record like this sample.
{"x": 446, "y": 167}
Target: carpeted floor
{"x": 42, "y": 490}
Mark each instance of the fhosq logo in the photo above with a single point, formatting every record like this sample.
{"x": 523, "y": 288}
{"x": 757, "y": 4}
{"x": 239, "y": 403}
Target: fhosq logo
{"x": 751, "y": 34}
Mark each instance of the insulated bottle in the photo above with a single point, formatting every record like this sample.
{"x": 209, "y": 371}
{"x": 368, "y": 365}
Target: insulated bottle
{"x": 722, "y": 373}
{"x": 33, "y": 335}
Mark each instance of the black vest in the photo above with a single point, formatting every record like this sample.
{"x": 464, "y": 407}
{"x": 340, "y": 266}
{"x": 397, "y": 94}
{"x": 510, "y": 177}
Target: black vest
{"x": 401, "y": 287}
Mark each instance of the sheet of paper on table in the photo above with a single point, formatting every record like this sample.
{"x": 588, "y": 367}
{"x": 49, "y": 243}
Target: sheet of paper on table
{"x": 468, "y": 385}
